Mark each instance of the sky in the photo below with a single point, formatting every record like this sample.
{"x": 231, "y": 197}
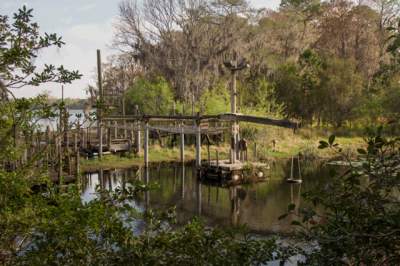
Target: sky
{"x": 85, "y": 26}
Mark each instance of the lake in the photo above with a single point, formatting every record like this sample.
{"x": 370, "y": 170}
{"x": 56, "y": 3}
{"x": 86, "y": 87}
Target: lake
{"x": 257, "y": 206}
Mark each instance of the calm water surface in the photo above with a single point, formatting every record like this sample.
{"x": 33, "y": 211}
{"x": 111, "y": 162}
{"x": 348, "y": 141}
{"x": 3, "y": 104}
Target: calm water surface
{"x": 256, "y": 205}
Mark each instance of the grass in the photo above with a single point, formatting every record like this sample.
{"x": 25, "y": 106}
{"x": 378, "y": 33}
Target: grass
{"x": 156, "y": 154}
{"x": 288, "y": 144}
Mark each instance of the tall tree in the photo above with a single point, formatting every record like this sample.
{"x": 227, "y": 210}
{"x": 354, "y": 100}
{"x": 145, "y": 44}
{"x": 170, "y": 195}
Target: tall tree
{"x": 185, "y": 41}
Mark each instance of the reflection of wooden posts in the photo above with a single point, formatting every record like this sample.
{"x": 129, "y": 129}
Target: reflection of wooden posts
{"x": 146, "y": 144}
{"x": 182, "y": 145}
{"x": 147, "y": 193}
{"x": 198, "y": 144}
{"x": 235, "y": 205}
{"x": 199, "y": 207}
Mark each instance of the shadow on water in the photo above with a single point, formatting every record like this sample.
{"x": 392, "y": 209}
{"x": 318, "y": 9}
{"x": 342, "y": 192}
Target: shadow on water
{"x": 256, "y": 205}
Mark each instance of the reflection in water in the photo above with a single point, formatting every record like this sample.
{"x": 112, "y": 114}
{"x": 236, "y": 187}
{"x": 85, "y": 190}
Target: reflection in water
{"x": 256, "y": 205}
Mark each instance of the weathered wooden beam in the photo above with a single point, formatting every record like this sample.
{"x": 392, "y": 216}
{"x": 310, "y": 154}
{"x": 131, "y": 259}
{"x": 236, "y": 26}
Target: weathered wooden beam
{"x": 221, "y": 117}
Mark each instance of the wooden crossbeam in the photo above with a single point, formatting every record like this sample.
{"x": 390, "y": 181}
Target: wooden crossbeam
{"x": 221, "y": 117}
{"x": 189, "y": 130}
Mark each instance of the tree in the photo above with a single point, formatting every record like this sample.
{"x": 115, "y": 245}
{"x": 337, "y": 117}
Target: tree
{"x": 358, "y": 216}
{"x": 152, "y": 96}
{"x": 184, "y": 41}
{"x": 20, "y": 43}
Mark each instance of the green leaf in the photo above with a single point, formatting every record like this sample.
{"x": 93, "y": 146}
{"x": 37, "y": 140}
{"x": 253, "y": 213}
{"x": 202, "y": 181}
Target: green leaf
{"x": 296, "y": 223}
{"x": 323, "y": 144}
{"x": 291, "y": 207}
{"x": 283, "y": 216}
{"x": 361, "y": 151}
{"x": 332, "y": 139}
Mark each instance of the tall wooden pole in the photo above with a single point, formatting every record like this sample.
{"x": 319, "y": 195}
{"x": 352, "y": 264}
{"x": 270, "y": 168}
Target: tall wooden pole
{"x": 99, "y": 110}
{"x": 233, "y": 111}
{"x": 137, "y": 137}
{"x": 146, "y": 144}
{"x": 198, "y": 144}
{"x": 182, "y": 145}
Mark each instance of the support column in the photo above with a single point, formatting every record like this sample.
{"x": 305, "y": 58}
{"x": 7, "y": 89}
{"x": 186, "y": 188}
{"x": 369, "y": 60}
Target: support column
{"x": 198, "y": 144}
{"x": 182, "y": 145}
{"x": 137, "y": 137}
{"x": 99, "y": 110}
{"x": 109, "y": 138}
{"x": 115, "y": 129}
{"x": 146, "y": 144}
{"x": 235, "y": 124}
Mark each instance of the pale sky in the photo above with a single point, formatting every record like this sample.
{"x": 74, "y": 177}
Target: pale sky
{"x": 85, "y": 25}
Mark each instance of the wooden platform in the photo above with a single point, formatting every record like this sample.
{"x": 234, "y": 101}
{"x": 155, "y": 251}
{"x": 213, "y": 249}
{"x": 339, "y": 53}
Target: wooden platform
{"x": 226, "y": 165}
{"x": 224, "y": 171}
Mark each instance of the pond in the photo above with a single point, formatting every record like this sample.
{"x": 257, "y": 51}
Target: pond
{"x": 257, "y": 206}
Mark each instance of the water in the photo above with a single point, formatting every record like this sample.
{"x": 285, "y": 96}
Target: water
{"x": 257, "y": 206}
{"x": 72, "y": 120}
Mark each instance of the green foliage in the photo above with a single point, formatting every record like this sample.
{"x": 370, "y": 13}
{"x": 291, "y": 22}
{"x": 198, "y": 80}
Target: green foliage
{"x": 215, "y": 101}
{"x": 152, "y": 96}
{"x": 356, "y": 216}
{"x": 20, "y": 43}
{"x": 319, "y": 88}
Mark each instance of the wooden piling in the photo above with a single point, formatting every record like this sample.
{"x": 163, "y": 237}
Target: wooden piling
{"x": 146, "y": 144}
{"x": 137, "y": 137}
{"x": 198, "y": 144}
{"x": 75, "y": 142}
{"x": 99, "y": 108}
{"x": 182, "y": 145}
{"x": 115, "y": 129}
{"x": 109, "y": 138}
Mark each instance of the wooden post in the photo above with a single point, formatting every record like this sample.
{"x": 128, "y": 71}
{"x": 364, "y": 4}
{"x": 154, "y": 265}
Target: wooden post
{"x": 75, "y": 142}
{"x": 124, "y": 113}
{"x": 198, "y": 144}
{"x": 109, "y": 138}
{"x": 115, "y": 129}
{"x": 99, "y": 110}
{"x": 60, "y": 166}
{"x": 183, "y": 181}
{"x": 146, "y": 144}
{"x": 137, "y": 138}
{"x": 47, "y": 146}
{"x": 82, "y": 138}
{"x": 77, "y": 163}
{"x": 182, "y": 145}
{"x": 255, "y": 151}
{"x": 217, "y": 155}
